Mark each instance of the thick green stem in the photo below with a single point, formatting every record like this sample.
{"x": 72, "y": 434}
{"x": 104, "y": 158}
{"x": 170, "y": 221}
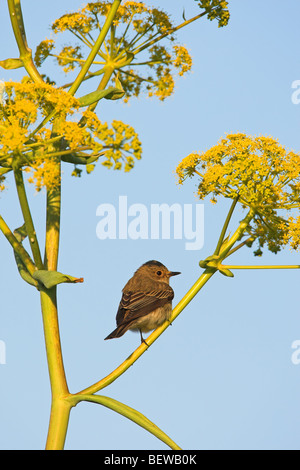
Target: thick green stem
{"x": 59, "y": 389}
{"x": 60, "y": 409}
{"x": 52, "y": 342}
{"x": 59, "y": 420}
{"x": 53, "y": 226}
{"x": 28, "y": 219}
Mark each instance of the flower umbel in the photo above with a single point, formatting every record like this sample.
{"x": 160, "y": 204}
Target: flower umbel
{"x": 26, "y": 143}
{"x": 131, "y": 50}
{"x": 257, "y": 170}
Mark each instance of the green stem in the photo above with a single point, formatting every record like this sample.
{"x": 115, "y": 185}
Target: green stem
{"x": 59, "y": 409}
{"x": 89, "y": 75}
{"x": 27, "y": 218}
{"x": 238, "y": 247}
{"x": 104, "y": 81}
{"x": 206, "y": 275}
{"x": 266, "y": 266}
{"x": 52, "y": 340}
{"x": 17, "y": 246}
{"x": 225, "y": 226}
{"x": 96, "y": 47}
{"x": 167, "y": 33}
{"x": 16, "y": 18}
{"x": 108, "y": 71}
{"x": 129, "y": 413}
{"x": 53, "y": 226}
{"x": 58, "y": 425}
{"x": 225, "y": 248}
{"x": 87, "y": 64}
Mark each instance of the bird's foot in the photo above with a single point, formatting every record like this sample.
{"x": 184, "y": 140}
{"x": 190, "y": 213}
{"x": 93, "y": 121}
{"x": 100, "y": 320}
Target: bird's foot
{"x": 143, "y": 340}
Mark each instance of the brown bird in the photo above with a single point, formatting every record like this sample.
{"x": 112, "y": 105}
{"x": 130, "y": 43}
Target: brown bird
{"x": 146, "y": 302}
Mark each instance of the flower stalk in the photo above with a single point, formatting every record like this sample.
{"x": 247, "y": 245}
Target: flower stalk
{"x": 31, "y": 233}
{"x": 87, "y": 64}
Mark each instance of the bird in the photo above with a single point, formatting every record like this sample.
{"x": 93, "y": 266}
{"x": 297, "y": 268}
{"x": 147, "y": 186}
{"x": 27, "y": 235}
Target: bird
{"x": 146, "y": 301}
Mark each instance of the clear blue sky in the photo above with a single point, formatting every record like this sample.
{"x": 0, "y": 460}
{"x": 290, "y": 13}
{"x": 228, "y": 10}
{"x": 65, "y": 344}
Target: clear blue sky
{"x": 222, "y": 376}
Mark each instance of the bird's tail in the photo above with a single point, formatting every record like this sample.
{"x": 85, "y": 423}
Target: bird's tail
{"x": 119, "y": 331}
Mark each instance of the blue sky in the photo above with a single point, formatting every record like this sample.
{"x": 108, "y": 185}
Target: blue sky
{"x": 222, "y": 376}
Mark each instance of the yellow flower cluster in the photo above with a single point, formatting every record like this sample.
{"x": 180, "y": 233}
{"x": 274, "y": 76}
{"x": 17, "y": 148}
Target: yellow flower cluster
{"x": 44, "y": 173}
{"x": 69, "y": 58}
{"x": 2, "y": 186}
{"x": 120, "y": 143}
{"x": 216, "y": 9}
{"x": 294, "y": 232}
{"x": 183, "y": 60}
{"x": 164, "y": 86}
{"x": 137, "y": 31}
{"x": 257, "y": 170}
{"x": 24, "y": 103}
{"x": 26, "y": 143}
{"x": 77, "y": 21}
{"x": 43, "y": 50}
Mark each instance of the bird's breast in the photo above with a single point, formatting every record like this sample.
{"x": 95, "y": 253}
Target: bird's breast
{"x": 154, "y": 319}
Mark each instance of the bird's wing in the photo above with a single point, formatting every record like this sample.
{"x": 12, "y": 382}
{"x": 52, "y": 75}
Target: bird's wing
{"x": 136, "y": 304}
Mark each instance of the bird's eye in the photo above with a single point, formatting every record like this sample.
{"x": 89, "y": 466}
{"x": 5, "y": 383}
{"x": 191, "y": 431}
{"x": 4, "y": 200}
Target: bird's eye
{"x": 159, "y": 273}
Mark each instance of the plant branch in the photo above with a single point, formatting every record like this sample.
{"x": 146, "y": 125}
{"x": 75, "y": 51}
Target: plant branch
{"x": 27, "y": 218}
{"x": 58, "y": 425}
{"x": 167, "y": 33}
{"x": 240, "y": 245}
{"x": 226, "y": 247}
{"x": 84, "y": 70}
{"x": 59, "y": 390}
{"x": 266, "y": 266}
{"x": 129, "y": 413}
{"x": 16, "y": 18}
{"x": 17, "y": 246}
{"x": 225, "y": 226}
{"x": 53, "y": 225}
{"x": 206, "y": 275}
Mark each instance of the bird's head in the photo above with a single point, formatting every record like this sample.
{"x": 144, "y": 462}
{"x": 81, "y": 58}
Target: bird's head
{"x": 157, "y": 271}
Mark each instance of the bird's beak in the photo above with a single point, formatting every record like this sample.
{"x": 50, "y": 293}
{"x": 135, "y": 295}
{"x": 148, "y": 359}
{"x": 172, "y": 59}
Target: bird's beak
{"x": 173, "y": 273}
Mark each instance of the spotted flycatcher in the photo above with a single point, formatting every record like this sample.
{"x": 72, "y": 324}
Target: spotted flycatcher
{"x": 146, "y": 302}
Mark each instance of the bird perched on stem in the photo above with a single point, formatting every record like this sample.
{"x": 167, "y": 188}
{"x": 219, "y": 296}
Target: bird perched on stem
{"x": 146, "y": 302}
